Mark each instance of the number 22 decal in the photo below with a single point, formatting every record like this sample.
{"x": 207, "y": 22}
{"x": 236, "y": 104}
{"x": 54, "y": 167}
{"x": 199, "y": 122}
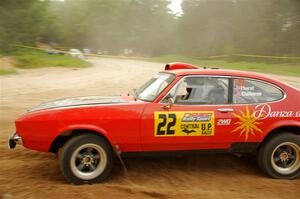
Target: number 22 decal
{"x": 184, "y": 123}
{"x": 163, "y": 123}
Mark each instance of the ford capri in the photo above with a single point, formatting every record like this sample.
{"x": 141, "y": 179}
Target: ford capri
{"x": 182, "y": 109}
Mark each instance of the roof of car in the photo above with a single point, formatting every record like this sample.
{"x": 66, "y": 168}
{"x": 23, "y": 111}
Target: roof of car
{"x": 222, "y": 72}
{"x": 226, "y": 72}
{"x": 213, "y": 72}
{"x": 183, "y": 69}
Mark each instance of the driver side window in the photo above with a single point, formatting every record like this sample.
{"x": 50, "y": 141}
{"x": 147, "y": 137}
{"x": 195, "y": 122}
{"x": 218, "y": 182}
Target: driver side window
{"x": 200, "y": 90}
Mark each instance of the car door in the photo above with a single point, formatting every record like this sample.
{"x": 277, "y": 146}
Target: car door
{"x": 200, "y": 117}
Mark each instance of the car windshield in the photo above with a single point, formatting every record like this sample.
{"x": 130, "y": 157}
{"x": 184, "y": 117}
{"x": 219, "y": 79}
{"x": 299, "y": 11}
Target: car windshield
{"x": 153, "y": 87}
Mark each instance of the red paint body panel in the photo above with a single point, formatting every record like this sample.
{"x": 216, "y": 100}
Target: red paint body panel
{"x": 119, "y": 123}
{"x": 131, "y": 124}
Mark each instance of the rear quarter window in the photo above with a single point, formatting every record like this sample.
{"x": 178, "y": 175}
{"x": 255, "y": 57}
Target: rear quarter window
{"x": 246, "y": 91}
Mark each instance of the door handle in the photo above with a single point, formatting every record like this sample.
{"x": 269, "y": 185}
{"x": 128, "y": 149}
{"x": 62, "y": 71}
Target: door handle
{"x": 166, "y": 107}
{"x": 225, "y": 110}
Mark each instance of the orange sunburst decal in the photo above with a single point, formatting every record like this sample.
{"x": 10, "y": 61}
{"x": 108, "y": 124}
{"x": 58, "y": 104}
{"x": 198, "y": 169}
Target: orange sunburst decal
{"x": 247, "y": 124}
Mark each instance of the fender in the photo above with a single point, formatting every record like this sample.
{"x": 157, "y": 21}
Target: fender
{"x": 86, "y": 127}
{"x": 281, "y": 123}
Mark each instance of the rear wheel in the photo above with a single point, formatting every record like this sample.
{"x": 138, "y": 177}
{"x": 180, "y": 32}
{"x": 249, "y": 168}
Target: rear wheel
{"x": 279, "y": 157}
{"x": 86, "y": 159}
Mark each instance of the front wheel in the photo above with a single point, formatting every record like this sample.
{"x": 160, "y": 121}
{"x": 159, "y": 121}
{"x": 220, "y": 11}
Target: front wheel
{"x": 279, "y": 157}
{"x": 86, "y": 159}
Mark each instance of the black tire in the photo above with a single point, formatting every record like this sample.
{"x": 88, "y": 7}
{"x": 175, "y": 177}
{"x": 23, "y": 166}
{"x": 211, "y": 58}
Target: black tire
{"x": 96, "y": 146}
{"x": 268, "y": 156}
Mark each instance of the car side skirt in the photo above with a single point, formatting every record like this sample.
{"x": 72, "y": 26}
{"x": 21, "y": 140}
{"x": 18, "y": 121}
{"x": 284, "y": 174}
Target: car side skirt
{"x": 241, "y": 148}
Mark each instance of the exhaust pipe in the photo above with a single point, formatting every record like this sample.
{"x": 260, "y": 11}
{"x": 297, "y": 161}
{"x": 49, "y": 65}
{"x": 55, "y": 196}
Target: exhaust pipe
{"x": 14, "y": 140}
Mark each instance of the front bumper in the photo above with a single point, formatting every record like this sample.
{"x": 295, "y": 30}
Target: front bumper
{"x": 14, "y": 140}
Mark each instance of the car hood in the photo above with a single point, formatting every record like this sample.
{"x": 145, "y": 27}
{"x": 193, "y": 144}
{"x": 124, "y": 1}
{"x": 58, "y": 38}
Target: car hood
{"x": 78, "y": 101}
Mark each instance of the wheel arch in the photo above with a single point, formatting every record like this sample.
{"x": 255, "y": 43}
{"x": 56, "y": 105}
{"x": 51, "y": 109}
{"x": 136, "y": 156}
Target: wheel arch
{"x": 291, "y": 128}
{"x": 67, "y": 133}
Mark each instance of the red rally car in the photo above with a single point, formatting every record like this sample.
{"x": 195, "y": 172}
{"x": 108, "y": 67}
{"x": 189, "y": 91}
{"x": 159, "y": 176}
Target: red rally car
{"x": 182, "y": 109}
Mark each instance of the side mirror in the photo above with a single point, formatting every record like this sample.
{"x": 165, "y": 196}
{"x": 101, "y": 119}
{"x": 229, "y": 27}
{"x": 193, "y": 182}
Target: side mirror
{"x": 169, "y": 104}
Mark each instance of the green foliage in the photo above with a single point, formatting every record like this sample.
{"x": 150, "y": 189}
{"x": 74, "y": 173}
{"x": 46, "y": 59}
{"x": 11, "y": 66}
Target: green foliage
{"x": 113, "y": 25}
{"x": 206, "y": 28}
{"x": 6, "y": 71}
{"x": 292, "y": 69}
{"x": 213, "y": 27}
{"x": 22, "y": 22}
{"x": 38, "y": 59}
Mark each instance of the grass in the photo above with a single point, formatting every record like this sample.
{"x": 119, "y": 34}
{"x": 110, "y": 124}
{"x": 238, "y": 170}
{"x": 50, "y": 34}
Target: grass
{"x": 292, "y": 69}
{"x": 28, "y": 58}
{"x": 7, "y": 71}
{"x": 4, "y": 71}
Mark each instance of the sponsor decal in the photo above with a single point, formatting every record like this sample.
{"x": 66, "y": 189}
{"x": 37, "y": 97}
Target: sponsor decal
{"x": 247, "y": 123}
{"x": 196, "y": 117}
{"x": 224, "y": 122}
{"x": 181, "y": 123}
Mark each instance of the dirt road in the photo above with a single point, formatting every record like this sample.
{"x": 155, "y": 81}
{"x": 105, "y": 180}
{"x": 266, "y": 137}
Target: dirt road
{"x": 30, "y": 174}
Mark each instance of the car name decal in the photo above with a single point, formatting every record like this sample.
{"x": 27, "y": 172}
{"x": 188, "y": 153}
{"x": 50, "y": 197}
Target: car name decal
{"x": 223, "y": 122}
{"x": 263, "y": 111}
{"x": 184, "y": 123}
